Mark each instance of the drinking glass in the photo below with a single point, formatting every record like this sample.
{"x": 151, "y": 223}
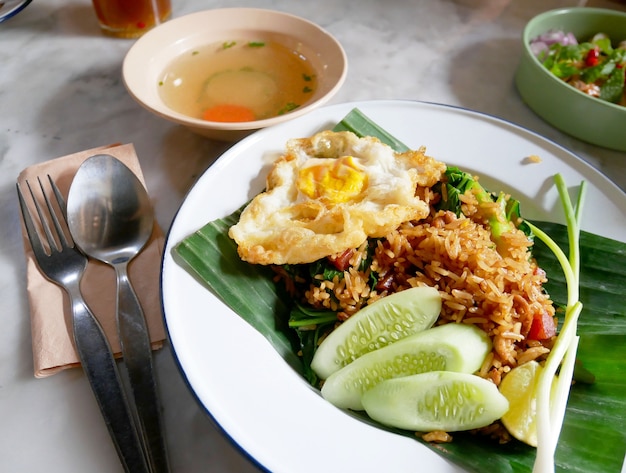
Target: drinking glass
{"x": 130, "y": 18}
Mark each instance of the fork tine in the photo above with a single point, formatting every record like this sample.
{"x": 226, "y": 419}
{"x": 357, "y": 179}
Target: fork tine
{"x": 42, "y": 218}
{"x": 31, "y": 231}
{"x": 59, "y": 197}
{"x": 53, "y": 213}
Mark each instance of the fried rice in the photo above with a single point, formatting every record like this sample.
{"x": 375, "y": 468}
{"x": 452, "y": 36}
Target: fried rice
{"x": 497, "y": 287}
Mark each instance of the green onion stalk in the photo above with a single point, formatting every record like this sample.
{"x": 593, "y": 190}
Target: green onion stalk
{"x": 552, "y": 391}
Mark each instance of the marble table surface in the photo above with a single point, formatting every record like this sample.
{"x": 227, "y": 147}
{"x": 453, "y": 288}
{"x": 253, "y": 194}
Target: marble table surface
{"x": 61, "y": 92}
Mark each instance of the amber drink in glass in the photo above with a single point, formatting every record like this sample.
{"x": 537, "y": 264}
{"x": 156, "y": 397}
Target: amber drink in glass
{"x": 130, "y": 18}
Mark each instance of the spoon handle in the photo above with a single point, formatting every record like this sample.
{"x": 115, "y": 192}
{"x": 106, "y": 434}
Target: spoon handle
{"x": 137, "y": 352}
{"x": 101, "y": 371}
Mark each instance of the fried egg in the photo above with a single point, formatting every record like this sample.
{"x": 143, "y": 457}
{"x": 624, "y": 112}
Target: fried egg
{"x": 329, "y": 193}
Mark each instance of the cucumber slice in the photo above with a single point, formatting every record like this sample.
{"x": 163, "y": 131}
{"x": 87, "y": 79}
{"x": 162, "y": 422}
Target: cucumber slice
{"x": 439, "y": 400}
{"x": 450, "y": 347}
{"x": 383, "y": 322}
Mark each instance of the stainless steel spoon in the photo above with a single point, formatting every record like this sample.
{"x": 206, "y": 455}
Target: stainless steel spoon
{"x": 110, "y": 218}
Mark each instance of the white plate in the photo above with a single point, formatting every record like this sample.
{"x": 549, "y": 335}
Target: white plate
{"x": 260, "y": 402}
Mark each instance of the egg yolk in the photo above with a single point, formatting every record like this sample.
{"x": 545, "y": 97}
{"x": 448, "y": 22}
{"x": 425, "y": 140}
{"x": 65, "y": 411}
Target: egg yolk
{"x": 333, "y": 182}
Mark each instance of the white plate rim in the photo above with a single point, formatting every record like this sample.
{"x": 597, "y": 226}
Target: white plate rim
{"x": 275, "y": 446}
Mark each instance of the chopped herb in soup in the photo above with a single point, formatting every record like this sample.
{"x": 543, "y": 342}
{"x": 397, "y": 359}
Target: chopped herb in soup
{"x": 596, "y": 67}
{"x": 238, "y": 81}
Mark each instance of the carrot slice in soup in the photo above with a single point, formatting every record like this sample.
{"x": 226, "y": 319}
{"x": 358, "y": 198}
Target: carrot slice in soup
{"x": 228, "y": 113}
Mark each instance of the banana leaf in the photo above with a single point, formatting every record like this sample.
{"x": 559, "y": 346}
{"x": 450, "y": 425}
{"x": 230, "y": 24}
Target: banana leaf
{"x": 247, "y": 289}
{"x": 593, "y": 438}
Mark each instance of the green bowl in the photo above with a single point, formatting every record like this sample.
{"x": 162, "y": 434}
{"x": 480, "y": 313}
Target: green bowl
{"x": 563, "y": 106}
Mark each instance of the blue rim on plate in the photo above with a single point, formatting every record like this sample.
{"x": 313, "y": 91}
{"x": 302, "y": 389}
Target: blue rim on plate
{"x": 10, "y": 8}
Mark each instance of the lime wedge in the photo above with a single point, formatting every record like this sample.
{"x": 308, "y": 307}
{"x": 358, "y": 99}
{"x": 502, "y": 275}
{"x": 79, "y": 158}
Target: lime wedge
{"x": 438, "y": 400}
{"x": 519, "y": 387}
{"x": 450, "y": 347}
{"x": 377, "y": 325}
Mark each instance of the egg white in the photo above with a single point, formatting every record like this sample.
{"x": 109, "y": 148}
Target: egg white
{"x": 284, "y": 225}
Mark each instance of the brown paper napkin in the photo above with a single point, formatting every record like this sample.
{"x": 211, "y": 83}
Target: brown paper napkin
{"x": 53, "y": 344}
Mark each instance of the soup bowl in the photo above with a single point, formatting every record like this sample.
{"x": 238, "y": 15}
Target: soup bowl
{"x": 148, "y": 61}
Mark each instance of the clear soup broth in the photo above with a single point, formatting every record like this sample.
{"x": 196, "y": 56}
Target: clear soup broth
{"x": 237, "y": 81}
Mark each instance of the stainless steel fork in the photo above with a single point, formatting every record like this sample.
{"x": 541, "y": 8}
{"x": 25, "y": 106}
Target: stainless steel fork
{"x": 64, "y": 265}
